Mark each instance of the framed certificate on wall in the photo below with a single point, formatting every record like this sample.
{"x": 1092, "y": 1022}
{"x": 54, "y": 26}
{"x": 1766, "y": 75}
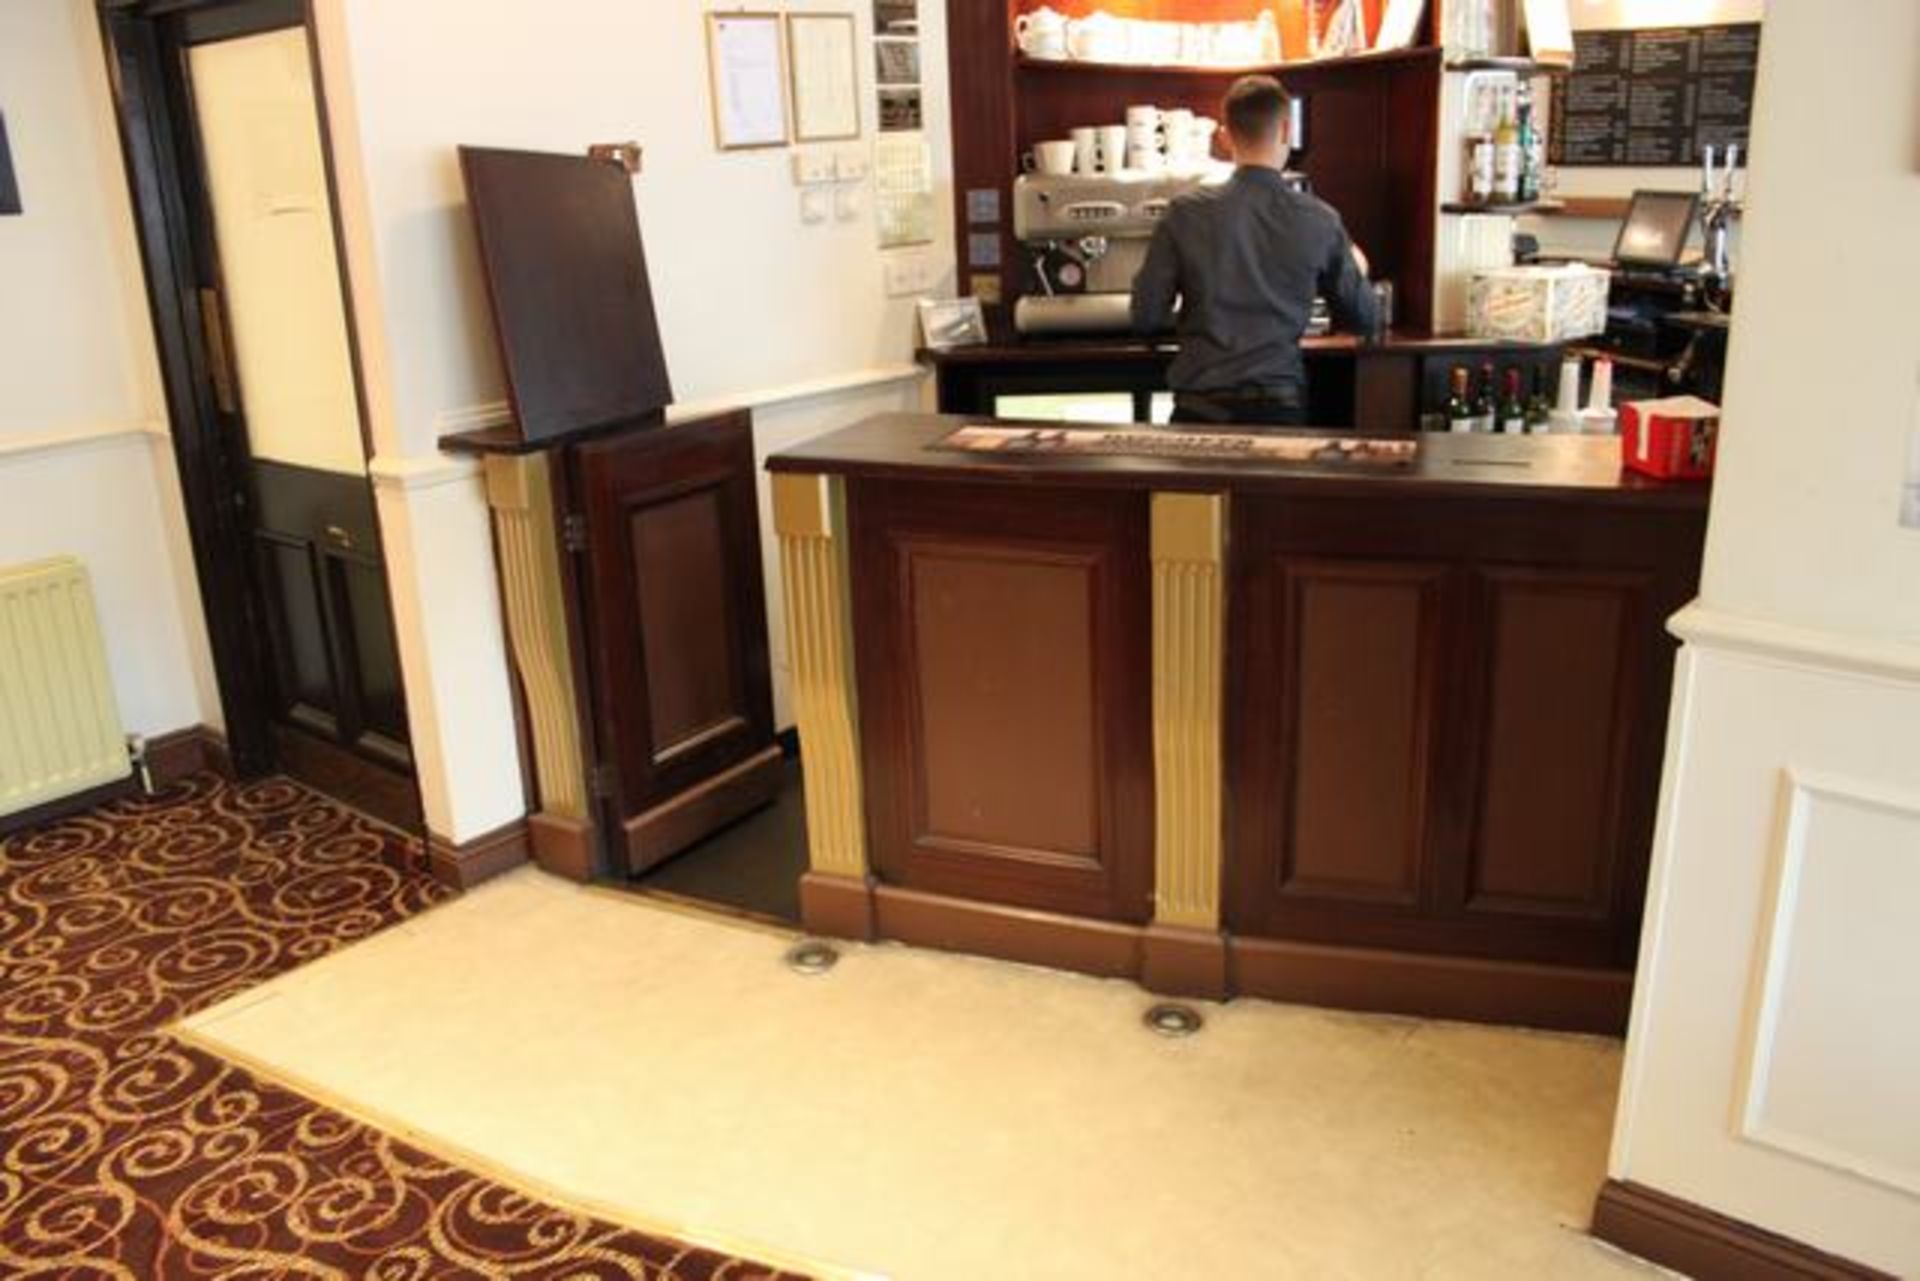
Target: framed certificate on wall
{"x": 746, "y": 65}
{"x": 824, "y": 63}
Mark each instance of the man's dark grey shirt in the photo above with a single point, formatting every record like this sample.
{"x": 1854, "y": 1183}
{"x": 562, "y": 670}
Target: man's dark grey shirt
{"x": 1245, "y": 260}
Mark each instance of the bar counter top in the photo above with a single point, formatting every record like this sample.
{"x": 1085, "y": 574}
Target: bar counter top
{"x": 1568, "y": 468}
{"x": 1006, "y": 347}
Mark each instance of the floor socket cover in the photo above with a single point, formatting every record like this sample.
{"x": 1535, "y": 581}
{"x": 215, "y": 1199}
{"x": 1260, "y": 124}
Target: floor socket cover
{"x": 1173, "y": 1019}
{"x": 811, "y": 956}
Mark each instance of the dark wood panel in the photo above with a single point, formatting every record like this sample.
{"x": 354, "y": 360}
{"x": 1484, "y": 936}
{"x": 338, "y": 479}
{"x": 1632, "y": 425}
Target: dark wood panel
{"x": 675, "y": 624}
{"x": 1545, "y": 676}
{"x": 329, "y": 621}
{"x": 1002, "y": 643}
{"x": 686, "y": 620}
{"x": 1009, "y": 746}
{"x": 566, "y": 274}
{"x": 1358, "y": 659}
{"x": 1561, "y": 684}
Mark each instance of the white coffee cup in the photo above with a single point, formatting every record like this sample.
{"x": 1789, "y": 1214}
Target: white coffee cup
{"x": 1111, "y": 148}
{"x": 1052, "y": 157}
{"x": 1086, "y": 149}
{"x": 1146, "y": 159}
{"x": 1099, "y": 37}
{"x": 1143, "y": 116}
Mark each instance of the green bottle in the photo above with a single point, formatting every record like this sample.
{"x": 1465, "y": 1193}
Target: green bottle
{"x": 1459, "y": 407}
{"x": 1539, "y": 407}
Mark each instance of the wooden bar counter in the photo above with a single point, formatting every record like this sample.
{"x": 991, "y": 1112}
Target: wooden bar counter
{"x": 1377, "y": 739}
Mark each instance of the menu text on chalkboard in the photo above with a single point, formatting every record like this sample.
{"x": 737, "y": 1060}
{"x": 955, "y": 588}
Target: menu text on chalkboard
{"x": 1654, "y": 96}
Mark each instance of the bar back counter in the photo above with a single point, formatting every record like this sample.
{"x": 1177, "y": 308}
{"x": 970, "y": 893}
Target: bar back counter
{"x": 1377, "y": 739}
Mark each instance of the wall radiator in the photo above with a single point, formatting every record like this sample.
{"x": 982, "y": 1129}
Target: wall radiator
{"x": 59, "y": 728}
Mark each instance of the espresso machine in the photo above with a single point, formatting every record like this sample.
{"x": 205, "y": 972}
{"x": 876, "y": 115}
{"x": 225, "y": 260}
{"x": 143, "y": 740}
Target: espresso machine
{"x": 1085, "y": 238}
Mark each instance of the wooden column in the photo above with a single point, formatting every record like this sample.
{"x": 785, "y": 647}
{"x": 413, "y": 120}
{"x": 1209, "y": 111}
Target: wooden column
{"x": 809, "y": 515}
{"x": 1184, "y": 952}
{"x": 526, "y": 532}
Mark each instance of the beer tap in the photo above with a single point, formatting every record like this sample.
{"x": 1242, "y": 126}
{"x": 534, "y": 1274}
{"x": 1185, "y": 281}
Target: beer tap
{"x": 1719, "y": 209}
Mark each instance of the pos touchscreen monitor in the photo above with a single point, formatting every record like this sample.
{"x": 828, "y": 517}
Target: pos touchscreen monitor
{"x": 1656, "y": 228}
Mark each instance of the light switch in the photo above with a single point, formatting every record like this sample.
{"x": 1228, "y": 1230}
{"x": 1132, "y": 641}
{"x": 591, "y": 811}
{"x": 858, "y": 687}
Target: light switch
{"x": 908, "y": 275}
{"x": 850, "y": 165}
{"x": 847, "y": 203}
{"x": 812, "y": 168}
{"x": 815, "y": 204}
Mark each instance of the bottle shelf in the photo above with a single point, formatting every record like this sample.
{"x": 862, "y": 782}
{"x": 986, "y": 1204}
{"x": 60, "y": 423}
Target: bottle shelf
{"x": 1509, "y": 208}
{"x": 1519, "y": 65}
{"x": 1072, "y": 66}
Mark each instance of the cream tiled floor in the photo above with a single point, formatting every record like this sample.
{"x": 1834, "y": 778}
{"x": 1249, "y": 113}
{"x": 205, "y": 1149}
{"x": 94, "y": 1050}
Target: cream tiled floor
{"x": 931, "y": 1116}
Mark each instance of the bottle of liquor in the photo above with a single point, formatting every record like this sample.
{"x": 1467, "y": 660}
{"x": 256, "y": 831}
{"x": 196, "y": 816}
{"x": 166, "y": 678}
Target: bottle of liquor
{"x": 1459, "y": 407}
{"x": 1529, "y": 183}
{"x": 1483, "y": 401}
{"x": 1479, "y": 169}
{"x": 1513, "y": 407}
{"x": 1506, "y": 155}
{"x": 1539, "y": 405}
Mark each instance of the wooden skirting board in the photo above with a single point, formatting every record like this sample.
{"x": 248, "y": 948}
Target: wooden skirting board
{"x": 468, "y": 863}
{"x": 1707, "y": 1245}
{"x": 185, "y": 752}
{"x": 1214, "y": 966}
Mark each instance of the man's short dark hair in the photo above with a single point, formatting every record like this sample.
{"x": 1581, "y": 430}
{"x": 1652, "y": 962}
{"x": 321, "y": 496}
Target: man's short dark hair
{"x": 1254, "y": 108}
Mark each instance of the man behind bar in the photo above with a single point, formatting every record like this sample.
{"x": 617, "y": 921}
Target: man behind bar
{"x": 1245, "y": 259}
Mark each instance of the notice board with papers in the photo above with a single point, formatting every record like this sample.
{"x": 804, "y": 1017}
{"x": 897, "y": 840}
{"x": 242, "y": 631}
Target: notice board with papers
{"x": 1654, "y": 96}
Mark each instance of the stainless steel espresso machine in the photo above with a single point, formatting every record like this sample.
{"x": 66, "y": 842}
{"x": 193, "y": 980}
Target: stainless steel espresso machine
{"x": 1085, "y": 238}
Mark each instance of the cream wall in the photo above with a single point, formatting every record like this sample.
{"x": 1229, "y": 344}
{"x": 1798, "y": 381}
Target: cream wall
{"x": 1775, "y": 1045}
{"x": 756, "y": 308}
{"x": 85, "y": 464}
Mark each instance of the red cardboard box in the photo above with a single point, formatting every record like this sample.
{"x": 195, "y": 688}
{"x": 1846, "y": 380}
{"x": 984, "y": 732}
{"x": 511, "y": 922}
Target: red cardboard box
{"x": 1674, "y": 438}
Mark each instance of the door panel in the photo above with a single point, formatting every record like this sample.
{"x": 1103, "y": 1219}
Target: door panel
{"x": 266, "y": 183}
{"x": 677, "y": 630}
{"x": 693, "y": 678}
{"x": 1359, "y": 666}
{"x": 1005, "y": 693}
{"x": 1556, "y": 720}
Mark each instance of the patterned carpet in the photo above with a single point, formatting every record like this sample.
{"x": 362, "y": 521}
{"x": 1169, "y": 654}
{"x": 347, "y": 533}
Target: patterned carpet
{"x": 126, "y": 1153}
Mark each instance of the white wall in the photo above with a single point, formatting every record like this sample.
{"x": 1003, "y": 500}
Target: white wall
{"x": 1773, "y": 1053}
{"x": 756, "y": 308}
{"x": 85, "y": 465}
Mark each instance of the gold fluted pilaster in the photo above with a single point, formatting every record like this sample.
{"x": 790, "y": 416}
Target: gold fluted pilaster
{"x": 809, "y": 515}
{"x": 528, "y": 536}
{"x": 1189, "y": 618}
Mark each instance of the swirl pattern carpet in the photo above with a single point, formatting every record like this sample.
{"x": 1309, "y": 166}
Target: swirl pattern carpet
{"x": 127, "y": 1153}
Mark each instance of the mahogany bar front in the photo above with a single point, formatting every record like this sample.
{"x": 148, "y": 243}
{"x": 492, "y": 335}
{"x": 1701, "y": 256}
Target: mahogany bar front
{"x": 1381, "y": 739}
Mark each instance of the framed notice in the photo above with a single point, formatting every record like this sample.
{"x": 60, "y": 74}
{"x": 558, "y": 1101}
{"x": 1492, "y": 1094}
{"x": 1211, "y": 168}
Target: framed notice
{"x": 746, "y": 65}
{"x": 825, "y": 68}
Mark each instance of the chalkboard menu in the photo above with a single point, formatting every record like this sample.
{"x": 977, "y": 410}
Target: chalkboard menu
{"x": 1654, "y": 96}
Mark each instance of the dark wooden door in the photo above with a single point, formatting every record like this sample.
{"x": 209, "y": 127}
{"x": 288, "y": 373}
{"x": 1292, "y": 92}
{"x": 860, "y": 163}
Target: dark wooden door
{"x": 1005, "y": 691}
{"x": 677, "y": 629}
{"x": 222, "y": 124}
{"x": 1466, "y": 754}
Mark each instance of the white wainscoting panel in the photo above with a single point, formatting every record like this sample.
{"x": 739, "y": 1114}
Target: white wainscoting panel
{"x": 1830, "y": 1068}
